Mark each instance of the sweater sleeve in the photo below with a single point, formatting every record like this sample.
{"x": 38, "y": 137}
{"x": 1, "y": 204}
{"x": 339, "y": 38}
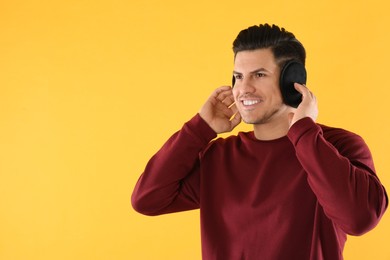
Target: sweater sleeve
{"x": 341, "y": 173}
{"x": 170, "y": 182}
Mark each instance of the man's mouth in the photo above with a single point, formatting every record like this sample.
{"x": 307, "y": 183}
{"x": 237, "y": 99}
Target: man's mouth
{"x": 250, "y": 102}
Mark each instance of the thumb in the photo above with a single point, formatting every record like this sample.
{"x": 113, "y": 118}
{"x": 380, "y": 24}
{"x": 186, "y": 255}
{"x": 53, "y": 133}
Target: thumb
{"x": 290, "y": 118}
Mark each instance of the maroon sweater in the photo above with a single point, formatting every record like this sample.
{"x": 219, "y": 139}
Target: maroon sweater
{"x": 296, "y": 197}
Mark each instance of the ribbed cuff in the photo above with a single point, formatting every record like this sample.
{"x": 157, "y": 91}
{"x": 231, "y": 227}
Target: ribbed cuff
{"x": 201, "y": 129}
{"x": 300, "y": 128}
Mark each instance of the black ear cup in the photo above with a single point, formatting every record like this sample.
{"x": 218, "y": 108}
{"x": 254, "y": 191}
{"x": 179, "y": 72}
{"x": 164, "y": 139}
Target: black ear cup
{"x": 293, "y": 72}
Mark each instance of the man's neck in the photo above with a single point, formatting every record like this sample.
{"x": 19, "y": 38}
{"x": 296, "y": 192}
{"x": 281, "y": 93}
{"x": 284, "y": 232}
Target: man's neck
{"x": 272, "y": 130}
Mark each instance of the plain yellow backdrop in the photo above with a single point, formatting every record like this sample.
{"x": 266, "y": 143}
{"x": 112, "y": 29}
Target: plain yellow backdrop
{"x": 89, "y": 90}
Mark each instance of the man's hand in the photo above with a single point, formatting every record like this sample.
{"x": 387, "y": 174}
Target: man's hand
{"x": 307, "y": 108}
{"x": 220, "y": 112}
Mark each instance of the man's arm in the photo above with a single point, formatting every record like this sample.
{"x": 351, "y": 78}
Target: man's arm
{"x": 340, "y": 170}
{"x": 170, "y": 182}
{"x": 341, "y": 173}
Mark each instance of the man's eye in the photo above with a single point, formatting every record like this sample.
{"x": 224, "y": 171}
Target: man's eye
{"x": 260, "y": 75}
{"x": 238, "y": 76}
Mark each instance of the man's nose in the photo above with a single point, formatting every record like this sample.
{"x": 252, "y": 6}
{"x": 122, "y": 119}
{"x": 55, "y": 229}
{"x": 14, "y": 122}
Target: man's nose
{"x": 246, "y": 85}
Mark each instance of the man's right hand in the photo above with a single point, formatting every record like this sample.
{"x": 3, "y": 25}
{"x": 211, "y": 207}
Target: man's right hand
{"x": 220, "y": 112}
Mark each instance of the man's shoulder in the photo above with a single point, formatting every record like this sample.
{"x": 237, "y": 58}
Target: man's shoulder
{"x": 230, "y": 142}
{"x": 338, "y": 135}
{"x": 233, "y": 138}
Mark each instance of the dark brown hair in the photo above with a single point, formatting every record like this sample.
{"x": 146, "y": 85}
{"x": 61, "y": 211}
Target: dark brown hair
{"x": 282, "y": 43}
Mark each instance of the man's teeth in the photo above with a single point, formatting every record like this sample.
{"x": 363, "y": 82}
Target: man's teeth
{"x": 250, "y": 102}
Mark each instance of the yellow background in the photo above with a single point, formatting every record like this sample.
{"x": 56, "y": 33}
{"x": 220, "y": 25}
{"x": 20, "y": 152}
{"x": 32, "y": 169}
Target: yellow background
{"x": 89, "y": 90}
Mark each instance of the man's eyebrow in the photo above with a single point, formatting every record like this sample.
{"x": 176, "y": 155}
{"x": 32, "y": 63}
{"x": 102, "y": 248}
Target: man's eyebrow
{"x": 252, "y": 72}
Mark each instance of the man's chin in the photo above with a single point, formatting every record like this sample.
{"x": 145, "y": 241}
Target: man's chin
{"x": 259, "y": 119}
{"x": 252, "y": 121}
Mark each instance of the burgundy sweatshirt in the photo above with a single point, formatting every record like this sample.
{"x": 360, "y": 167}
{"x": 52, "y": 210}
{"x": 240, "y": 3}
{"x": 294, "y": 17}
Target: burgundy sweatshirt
{"x": 296, "y": 197}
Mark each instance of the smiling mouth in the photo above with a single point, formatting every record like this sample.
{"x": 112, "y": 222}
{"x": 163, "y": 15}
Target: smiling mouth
{"x": 250, "y": 102}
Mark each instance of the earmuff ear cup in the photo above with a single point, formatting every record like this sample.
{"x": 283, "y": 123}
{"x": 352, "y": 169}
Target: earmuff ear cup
{"x": 292, "y": 72}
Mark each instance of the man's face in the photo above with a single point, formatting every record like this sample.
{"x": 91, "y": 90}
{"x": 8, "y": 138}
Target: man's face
{"x": 256, "y": 90}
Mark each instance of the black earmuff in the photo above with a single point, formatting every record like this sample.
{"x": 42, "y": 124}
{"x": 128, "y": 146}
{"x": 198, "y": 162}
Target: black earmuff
{"x": 293, "y": 72}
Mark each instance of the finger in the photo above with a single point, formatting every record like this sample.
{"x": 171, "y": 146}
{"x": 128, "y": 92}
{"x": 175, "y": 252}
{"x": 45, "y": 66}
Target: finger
{"x": 233, "y": 107}
{"x": 235, "y": 120}
{"x": 299, "y": 87}
{"x": 225, "y": 97}
{"x": 228, "y": 101}
{"x": 220, "y": 90}
{"x": 228, "y": 112}
{"x": 303, "y": 90}
{"x": 223, "y": 92}
{"x": 218, "y": 93}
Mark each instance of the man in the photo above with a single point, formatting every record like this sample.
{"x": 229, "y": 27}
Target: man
{"x": 291, "y": 189}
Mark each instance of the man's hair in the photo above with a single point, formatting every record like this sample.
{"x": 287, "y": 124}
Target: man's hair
{"x": 282, "y": 43}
